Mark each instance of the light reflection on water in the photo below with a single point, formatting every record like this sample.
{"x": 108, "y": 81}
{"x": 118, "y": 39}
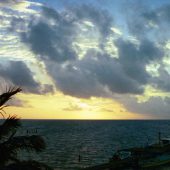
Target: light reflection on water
{"x": 95, "y": 141}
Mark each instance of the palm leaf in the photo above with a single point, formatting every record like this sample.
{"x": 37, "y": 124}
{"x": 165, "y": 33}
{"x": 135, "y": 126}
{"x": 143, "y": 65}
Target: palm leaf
{"x": 9, "y": 126}
{"x": 10, "y": 148}
{"x": 30, "y": 143}
{"x": 5, "y": 155}
{"x": 7, "y": 95}
{"x": 10, "y": 144}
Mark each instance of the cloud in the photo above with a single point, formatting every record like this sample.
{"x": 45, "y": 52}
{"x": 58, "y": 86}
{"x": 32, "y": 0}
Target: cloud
{"x": 152, "y": 23}
{"x": 100, "y": 18}
{"x": 73, "y": 107}
{"x": 146, "y": 21}
{"x": 75, "y": 81}
{"x": 19, "y": 74}
{"x": 136, "y": 23}
{"x": 135, "y": 58}
{"x": 23, "y": 6}
{"x": 107, "y": 110}
{"x": 53, "y": 35}
{"x": 155, "y": 106}
{"x": 159, "y": 21}
{"x": 94, "y": 75}
{"x": 51, "y": 38}
{"x": 100, "y": 75}
{"x": 159, "y": 15}
{"x": 163, "y": 81}
{"x": 7, "y": 2}
{"x": 57, "y": 39}
{"x": 17, "y": 102}
{"x": 47, "y": 88}
{"x": 51, "y": 42}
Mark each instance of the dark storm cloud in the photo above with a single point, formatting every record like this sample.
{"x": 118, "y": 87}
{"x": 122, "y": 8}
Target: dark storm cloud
{"x": 100, "y": 75}
{"x": 134, "y": 58}
{"x": 163, "y": 81}
{"x": 79, "y": 83}
{"x": 17, "y": 24}
{"x": 158, "y": 15}
{"x": 157, "y": 106}
{"x": 144, "y": 21}
{"x": 19, "y": 74}
{"x": 110, "y": 73}
{"x": 136, "y": 24}
{"x": 100, "y": 18}
{"x": 95, "y": 75}
{"x": 153, "y": 24}
{"x": 53, "y": 44}
{"x": 53, "y": 35}
{"x": 50, "y": 42}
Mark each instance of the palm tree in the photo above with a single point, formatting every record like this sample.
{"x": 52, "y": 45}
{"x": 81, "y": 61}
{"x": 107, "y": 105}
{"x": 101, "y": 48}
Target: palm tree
{"x": 10, "y": 144}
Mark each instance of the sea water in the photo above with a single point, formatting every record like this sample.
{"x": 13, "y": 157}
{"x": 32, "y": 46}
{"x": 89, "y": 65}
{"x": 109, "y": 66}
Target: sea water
{"x": 74, "y": 144}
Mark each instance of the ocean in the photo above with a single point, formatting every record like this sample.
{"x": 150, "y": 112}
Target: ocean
{"x": 95, "y": 141}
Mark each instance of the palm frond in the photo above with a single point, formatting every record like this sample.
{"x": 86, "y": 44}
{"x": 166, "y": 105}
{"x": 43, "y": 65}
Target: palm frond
{"x": 2, "y": 112}
{"x": 7, "y": 155}
{"x": 30, "y": 143}
{"x": 7, "y": 95}
{"x": 11, "y": 144}
{"x": 9, "y": 126}
{"x": 9, "y": 149}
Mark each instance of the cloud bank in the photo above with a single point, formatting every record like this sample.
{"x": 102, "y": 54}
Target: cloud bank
{"x": 58, "y": 37}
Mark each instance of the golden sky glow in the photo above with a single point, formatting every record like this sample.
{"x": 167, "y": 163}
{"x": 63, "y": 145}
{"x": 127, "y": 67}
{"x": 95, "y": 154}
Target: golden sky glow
{"x": 59, "y": 106}
{"x": 85, "y": 62}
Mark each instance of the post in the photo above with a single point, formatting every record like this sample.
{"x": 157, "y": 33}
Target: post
{"x": 159, "y": 137}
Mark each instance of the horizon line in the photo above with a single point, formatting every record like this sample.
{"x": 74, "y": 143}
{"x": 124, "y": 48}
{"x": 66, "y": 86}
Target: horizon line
{"x": 93, "y": 119}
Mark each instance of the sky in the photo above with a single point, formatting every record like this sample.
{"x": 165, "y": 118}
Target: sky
{"x": 93, "y": 59}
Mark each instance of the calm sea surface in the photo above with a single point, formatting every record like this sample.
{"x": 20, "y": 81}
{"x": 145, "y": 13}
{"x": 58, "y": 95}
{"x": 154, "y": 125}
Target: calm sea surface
{"x": 95, "y": 141}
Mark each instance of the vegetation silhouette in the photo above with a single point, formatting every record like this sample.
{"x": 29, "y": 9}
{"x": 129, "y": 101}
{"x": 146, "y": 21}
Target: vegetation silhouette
{"x": 11, "y": 144}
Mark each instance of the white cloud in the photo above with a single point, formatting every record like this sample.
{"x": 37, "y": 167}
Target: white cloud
{"x": 116, "y": 30}
{"x": 20, "y": 5}
{"x": 167, "y": 45}
{"x": 152, "y": 69}
{"x": 110, "y": 48}
{"x": 88, "y": 23}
